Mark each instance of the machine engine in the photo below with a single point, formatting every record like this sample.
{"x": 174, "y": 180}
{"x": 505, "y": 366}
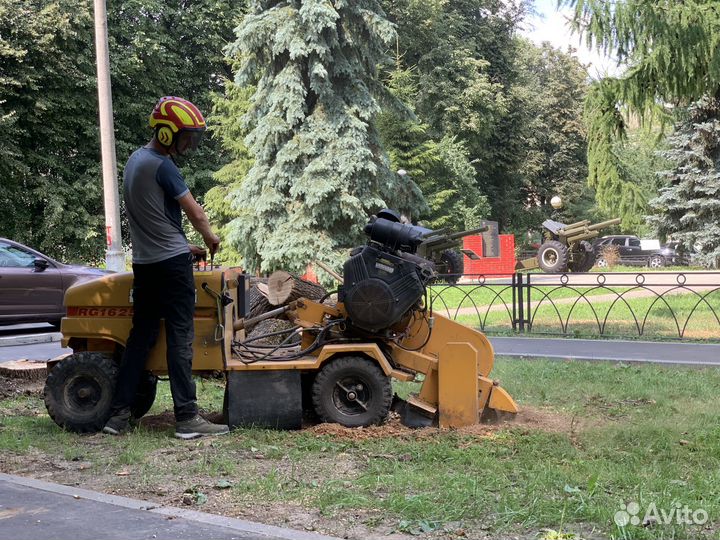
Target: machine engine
{"x": 384, "y": 280}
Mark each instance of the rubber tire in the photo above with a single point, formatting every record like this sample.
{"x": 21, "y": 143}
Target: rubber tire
{"x": 145, "y": 396}
{"x": 561, "y": 262}
{"x": 454, "y": 264}
{"x": 97, "y": 372}
{"x": 362, "y": 370}
{"x": 659, "y": 261}
{"x": 588, "y": 261}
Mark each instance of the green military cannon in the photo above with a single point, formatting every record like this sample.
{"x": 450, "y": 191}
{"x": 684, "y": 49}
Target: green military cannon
{"x": 566, "y": 247}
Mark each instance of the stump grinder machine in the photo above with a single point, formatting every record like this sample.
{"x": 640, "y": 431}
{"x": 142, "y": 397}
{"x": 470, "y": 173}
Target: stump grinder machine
{"x": 336, "y": 361}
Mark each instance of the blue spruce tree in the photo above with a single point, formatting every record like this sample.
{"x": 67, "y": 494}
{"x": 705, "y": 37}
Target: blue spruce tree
{"x": 688, "y": 208}
{"x": 319, "y": 169}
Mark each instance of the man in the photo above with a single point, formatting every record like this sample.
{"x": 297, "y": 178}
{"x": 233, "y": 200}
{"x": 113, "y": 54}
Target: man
{"x": 163, "y": 285}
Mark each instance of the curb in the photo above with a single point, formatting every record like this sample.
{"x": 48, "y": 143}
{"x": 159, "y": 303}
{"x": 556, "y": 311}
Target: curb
{"x": 30, "y": 339}
{"x": 239, "y": 525}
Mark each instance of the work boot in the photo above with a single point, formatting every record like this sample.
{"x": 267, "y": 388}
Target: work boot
{"x": 197, "y": 426}
{"x": 118, "y": 422}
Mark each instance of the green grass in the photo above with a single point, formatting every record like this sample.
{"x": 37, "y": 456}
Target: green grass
{"x": 562, "y": 310}
{"x": 640, "y": 433}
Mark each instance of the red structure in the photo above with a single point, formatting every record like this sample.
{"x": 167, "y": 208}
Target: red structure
{"x": 503, "y": 265}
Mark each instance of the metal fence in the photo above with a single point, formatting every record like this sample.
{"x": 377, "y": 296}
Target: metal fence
{"x": 680, "y": 305}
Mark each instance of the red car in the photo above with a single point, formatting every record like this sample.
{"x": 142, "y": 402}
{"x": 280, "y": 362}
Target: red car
{"x": 32, "y": 285}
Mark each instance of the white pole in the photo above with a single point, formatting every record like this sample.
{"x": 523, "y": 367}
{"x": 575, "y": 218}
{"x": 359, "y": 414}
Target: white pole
{"x": 114, "y": 256}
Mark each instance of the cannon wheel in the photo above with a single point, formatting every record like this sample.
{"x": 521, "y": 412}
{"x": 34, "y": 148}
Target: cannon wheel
{"x": 454, "y": 265}
{"x": 584, "y": 258}
{"x": 553, "y": 257}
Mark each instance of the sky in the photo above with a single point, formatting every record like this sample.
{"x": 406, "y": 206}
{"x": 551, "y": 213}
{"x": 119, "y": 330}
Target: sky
{"x": 552, "y": 25}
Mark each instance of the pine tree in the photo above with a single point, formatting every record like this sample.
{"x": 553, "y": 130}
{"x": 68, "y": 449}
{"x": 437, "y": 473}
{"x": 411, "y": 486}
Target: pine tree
{"x": 442, "y": 169}
{"x": 672, "y": 50}
{"x": 227, "y": 125}
{"x": 688, "y": 208}
{"x": 319, "y": 170}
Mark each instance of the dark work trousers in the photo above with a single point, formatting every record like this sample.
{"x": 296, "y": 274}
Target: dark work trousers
{"x": 162, "y": 290}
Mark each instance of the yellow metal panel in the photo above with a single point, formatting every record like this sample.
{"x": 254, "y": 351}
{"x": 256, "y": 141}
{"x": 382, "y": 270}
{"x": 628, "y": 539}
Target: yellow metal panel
{"x": 501, "y": 400}
{"x": 485, "y": 386}
{"x": 458, "y": 385}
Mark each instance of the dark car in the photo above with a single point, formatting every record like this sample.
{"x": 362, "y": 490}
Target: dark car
{"x": 32, "y": 285}
{"x": 630, "y": 251}
{"x": 675, "y": 255}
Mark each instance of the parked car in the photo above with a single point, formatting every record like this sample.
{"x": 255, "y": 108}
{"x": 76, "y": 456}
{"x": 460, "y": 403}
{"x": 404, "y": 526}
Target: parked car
{"x": 675, "y": 255}
{"x": 32, "y": 285}
{"x": 631, "y": 252}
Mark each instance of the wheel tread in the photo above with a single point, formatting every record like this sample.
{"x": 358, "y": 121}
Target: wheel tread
{"x": 324, "y": 382}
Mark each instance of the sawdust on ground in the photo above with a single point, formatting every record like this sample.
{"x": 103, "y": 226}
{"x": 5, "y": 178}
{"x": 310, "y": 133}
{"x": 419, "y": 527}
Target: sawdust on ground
{"x": 528, "y": 418}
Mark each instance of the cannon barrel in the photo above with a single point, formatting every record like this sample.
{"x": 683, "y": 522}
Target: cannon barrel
{"x": 608, "y": 223}
{"x": 442, "y": 238}
{"x": 578, "y": 225}
{"x": 585, "y": 235}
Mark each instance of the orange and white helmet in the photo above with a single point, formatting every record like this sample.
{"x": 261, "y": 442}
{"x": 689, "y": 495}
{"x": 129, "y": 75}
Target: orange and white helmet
{"x": 173, "y": 116}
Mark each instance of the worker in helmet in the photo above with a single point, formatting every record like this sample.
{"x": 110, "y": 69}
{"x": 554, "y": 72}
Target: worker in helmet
{"x": 155, "y": 195}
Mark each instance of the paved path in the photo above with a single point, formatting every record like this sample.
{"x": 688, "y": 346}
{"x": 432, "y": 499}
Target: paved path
{"x": 32, "y": 510}
{"x": 661, "y": 352}
{"x": 656, "y": 352}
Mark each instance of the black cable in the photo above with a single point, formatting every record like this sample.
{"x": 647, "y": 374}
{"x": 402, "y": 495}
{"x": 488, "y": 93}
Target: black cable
{"x": 316, "y": 344}
{"x": 427, "y": 340}
{"x": 328, "y": 295}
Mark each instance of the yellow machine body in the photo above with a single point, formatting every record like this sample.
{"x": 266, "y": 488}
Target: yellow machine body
{"x": 455, "y": 361}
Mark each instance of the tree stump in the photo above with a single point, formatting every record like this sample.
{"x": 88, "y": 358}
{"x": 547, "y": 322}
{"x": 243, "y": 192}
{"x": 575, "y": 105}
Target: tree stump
{"x": 258, "y": 299}
{"x": 283, "y": 288}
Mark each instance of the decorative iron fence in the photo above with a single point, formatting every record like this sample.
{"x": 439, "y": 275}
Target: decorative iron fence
{"x": 682, "y": 305}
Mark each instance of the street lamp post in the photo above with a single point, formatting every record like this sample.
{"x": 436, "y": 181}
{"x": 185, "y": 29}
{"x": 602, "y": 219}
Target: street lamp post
{"x": 114, "y": 256}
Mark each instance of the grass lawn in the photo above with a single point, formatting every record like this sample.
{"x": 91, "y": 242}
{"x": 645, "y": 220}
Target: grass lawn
{"x": 592, "y": 436}
{"x": 588, "y": 311}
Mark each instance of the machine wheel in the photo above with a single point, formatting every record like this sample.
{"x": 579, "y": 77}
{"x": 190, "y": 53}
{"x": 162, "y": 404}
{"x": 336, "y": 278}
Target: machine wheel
{"x": 585, "y": 260}
{"x": 145, "y": 396}
{"x": 656, "y": 261}
{"x": 352, "y": 391}
{"x": 553, "y": 256}
{"x": 79, "y": 391}
{"x": 454, "y": 265}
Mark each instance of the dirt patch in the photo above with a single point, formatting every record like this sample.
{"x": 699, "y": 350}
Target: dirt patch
{"x": 101, "y": 463}
{"x": 11, "y": 387}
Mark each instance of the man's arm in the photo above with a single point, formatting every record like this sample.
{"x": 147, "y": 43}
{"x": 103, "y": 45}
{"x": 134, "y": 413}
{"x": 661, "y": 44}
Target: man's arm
{"x": 199, "y": 220}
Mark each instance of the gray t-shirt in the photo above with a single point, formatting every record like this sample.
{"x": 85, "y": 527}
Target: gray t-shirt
{"x": 152, "y": 186}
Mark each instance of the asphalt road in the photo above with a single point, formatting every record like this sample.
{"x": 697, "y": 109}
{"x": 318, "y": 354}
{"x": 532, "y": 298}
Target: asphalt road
{"x": 32, "y": 509}
{"x": 656, "y": 352}
{"x": 30, "y": 342}
{"x": 677, "y": 353}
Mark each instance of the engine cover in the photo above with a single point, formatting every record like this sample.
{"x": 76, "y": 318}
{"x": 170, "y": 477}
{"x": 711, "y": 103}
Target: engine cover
{"x": 379, "y": 288}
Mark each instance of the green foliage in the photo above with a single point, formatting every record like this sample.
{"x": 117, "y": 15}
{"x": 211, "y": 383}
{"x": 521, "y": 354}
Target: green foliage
{"x": 688, "y": 207}
{"x": 672, "y": 50}
{"x": 49, "y": 161}
{"x": 553, "y": 85}
{"x": 462, "y": 54}
{"x": 319, "y": 170}
{"x": 441, "y": 169}
{"x": 227, "y": 125}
